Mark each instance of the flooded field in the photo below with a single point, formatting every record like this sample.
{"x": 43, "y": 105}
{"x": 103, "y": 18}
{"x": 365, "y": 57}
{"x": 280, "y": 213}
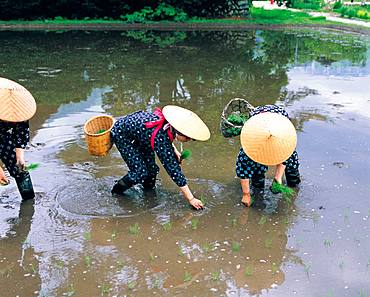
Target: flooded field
{"x": 76, "y": 239}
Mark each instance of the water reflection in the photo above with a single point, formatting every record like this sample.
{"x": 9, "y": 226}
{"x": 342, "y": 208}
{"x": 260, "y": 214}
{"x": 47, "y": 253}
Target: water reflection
{"x": 84, "y": 241}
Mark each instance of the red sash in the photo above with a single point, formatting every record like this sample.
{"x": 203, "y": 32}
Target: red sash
{"x": 158, "y": 124}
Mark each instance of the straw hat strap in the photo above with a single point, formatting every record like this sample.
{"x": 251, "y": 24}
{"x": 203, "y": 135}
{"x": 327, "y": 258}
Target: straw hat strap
{"x": 157, "y": 125}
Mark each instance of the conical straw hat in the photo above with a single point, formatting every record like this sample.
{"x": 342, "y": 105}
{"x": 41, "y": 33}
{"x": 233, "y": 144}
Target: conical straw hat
{"x": 16, "y": 102}
{"x": 268, "y": 138}
{"x": 186, "y": 122}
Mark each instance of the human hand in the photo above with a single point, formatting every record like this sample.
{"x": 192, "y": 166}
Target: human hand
{"x": 247, "y": 199}
{"x": 196, "y": 203}
{"x": 21, "y": 163}
{"x": 3, "y": 179}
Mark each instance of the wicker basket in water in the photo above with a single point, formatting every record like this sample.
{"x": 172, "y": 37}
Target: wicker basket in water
{"x": 97, "y": 134}
{"x": 239, "y": 109}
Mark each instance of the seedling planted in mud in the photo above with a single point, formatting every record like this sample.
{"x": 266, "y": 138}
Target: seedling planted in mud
{"x": 248, "y": 270}
{"x": 134, "y": 229}
{"x": 187, "y": 277}
{"x": 194, "y": 223}
{"x": 131, "y": 285}
{"x": 327, "y": 243}
{"x": 88, "y": 261}
{"x": 307, "y": 269}
{"x": 234, "y": 222}
{"x": 268, "y": 243}
{"x": 206, "y": 248}
{"x": 120, "y": 264}
{"x": 262, "y": 220}
{"x": 87, "y": 235}
{"x": 341, "y": 265}
{"x": 215, "y": 276}
{"x": 274, "y": 268}
{"x": 104, "y": 289}
{"x": 167, "y": 226}
{"x": 151, "y": 257}
{"x": 71, "y": 290}
{"x": 235, "y": 246}
{"x": 113, "y": 236}
{"x": 60, "y": 264}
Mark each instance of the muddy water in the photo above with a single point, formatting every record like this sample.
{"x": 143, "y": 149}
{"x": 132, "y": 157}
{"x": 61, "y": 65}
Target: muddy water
{"x": 78, "y": 240}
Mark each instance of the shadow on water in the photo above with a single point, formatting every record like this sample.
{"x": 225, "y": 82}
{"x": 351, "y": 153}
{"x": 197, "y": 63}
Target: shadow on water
{"x": 79, "y": 240}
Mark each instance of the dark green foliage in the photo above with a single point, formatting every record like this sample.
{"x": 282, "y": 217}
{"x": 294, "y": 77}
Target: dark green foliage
{"x": 279, "y": 188}
{"x": 129, "y": 10}
{"x": 237, "y": 119}
{"x": 100, "y": 131}
{"x": 337, "y": 5}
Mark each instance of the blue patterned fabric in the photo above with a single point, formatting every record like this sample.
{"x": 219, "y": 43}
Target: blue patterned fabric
{"x": 12, "y": 136}
{"x": 246, "y": 168}
{"x": 132, "y": 139}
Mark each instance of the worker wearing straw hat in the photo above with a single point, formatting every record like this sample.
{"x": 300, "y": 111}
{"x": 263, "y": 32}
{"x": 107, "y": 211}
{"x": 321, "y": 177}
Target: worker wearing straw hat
{"x": 267, "y": 138}
{"x": 17, "y": 106}
{"x": 141, "y": 135}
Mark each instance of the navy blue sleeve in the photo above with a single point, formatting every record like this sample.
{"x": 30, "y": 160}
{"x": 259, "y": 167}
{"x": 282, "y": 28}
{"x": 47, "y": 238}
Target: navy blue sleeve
{"x": 21, "y": 134}
{"x": 166, "y": 154}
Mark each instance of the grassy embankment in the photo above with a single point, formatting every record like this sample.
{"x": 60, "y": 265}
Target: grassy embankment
{"x": 257, "y": 16}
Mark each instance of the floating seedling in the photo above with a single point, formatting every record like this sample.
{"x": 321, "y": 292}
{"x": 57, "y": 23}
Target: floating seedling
{"x": 87, "y": 235}
{"x": 262, "y": 220}
{"x": 215, "y": 276}
{"x": 248, "y": 270}
{"x": 187, "y": 277}
{"x": 134, "y": 229}
{"x": 167, "y": 226}
{"x": 194, "y": 223}
{"x": 235, "y": 246}
{"x": 88, "y": 261}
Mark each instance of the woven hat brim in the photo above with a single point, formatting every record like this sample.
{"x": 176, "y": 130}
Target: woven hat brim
{"x": 16, "y": 102}
{"x": 186, "y": 122}
{"x": 268, "y": 138}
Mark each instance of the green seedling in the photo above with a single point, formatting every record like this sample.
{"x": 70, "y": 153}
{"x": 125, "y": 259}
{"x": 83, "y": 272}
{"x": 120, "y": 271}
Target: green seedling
{"x": 274, "y": 268}
{"x": 33, "y": 268}
{"x": 185, "y": 154}
{"x": 134, "y": 229}
{"x": 215, "y": 276}
{"x": 60, "y": 264}
{"x": 307, "y": 269}
{"x": 237, "y": 119}
{"x": 87, "y": 235}
{"x": 151, "y": 257}
{"x": 120, "y": 264}
{"x": 234, "y": 222}
{"x": 104, "y": 289}
{"x": 206, "y": 248}
{"x": 315, "y": 218}
{"x": 167, "y": 226}
{"x": 330, "y": 294}
{"x": 194, "y": 223}
{"x": 187, "y": 277}
{"x": 235, "y": 246}
{"x": 268, "y": 243}
{"x": 368, "y": 263}
{"x": 262, "y": 220}
{"x": 71, "y": 290}
{"x": 341, "y": 265}
{"x": 113, "y": 236}
{"x": 156, "y": 283}
{"x": 248, "y": 270}
{"x": 100, "y": 131}
{"x": 131, "y": 285}
{"x": 32, "y": 166}
{"x": 286, "y": 191}
{"x": 346, "y": 215}
{"x": 327, "y": 243}
{"x": 88, "y": 261}
{"x": 203, "y": 199}
{"x": 180, "y": 252}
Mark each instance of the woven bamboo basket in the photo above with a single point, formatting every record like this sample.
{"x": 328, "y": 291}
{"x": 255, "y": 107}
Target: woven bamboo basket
{"x": 98, "y": 144}
{"x": 237, "y": 107}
